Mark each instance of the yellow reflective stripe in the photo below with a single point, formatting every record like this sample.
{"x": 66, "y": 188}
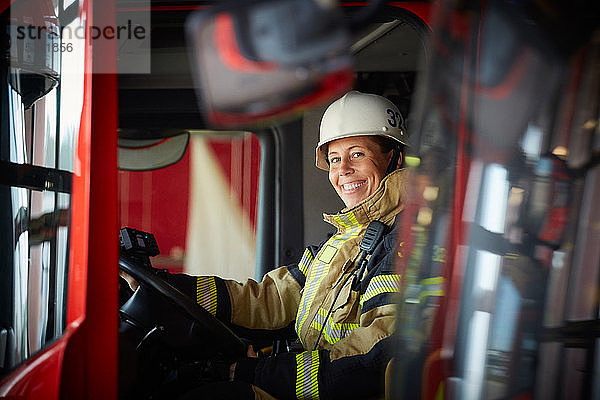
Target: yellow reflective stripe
{"x": 316, "y": 274}
{"x": 428, "y": 293}
{"x": 436, "y": 280}
{"x": 352, "y": 218}
{"x": 347, "y": 220}
{"x": 314, "y": 278}
{"x": 340, "y": 221}
{"x": 305, "y": 261}
{"x": 307, "y": 370}
{"x": 439, "y": 395}
{"x": 380, "y": 284}
{"x": 432, "y": 287}
{"x": 327, "y": 254}
{"x": 333, "y": 331}
{"x": 206, "y": 293}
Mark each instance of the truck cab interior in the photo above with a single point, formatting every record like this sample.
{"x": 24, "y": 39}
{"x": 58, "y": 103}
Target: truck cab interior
{"x": 111, "y": 181}
{"x": 262, "y": 195}
{"x": 388, "y": 52}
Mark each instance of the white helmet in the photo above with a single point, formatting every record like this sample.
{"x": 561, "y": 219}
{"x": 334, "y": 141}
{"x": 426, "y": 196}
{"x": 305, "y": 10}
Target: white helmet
{"x": 359, "y": 114}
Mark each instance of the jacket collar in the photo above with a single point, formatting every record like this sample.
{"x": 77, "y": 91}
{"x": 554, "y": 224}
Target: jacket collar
{"x": 382, "y": 205}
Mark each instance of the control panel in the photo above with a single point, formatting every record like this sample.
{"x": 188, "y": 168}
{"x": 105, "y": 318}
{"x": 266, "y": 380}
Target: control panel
{"x": 134, "y": 241}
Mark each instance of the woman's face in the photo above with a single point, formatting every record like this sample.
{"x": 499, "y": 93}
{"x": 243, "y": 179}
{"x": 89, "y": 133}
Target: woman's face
{"x": 356, "y": 167}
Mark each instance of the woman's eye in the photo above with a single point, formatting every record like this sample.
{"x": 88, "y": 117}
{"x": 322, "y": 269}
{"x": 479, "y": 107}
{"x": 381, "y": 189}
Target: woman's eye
{"x": 357, "y": 154}
{"x": 334, "y": 160}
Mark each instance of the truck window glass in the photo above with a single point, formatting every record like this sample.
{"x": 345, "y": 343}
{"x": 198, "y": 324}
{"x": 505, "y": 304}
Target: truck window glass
{"x": 202, "y": 209}
{"x": 41, "y": 98}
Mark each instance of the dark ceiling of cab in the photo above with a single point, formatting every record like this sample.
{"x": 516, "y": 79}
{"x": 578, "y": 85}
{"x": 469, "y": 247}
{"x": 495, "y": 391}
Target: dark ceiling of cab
{"x": 164, "y": 100}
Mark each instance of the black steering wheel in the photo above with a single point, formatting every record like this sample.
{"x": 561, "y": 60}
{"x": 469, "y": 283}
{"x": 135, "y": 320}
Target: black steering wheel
{"x": 231, "y": 346}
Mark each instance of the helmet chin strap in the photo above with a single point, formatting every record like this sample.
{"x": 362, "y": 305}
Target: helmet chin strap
{"x": 393, "y": 165}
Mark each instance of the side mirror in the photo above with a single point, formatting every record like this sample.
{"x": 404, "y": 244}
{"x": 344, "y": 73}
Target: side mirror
{"x": 267, "y": 59}
{"x": 144, "y": 155}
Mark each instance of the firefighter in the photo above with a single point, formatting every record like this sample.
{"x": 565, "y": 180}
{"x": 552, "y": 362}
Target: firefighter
{"x": 343, "y": 314}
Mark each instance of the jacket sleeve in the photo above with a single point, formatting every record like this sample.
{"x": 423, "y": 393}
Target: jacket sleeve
{"x": 352, "y": 367}
{"x": 269, "y": 304}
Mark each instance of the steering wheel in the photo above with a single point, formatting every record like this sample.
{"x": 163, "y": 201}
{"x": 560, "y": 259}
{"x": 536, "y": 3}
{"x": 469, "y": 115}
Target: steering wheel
{"x": 231, "y": 345}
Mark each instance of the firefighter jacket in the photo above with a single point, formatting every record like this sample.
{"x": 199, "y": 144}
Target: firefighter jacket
{"x": 353, "y": 349}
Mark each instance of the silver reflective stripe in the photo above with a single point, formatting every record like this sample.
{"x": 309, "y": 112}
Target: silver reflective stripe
{"x": 206, "y": 293}
{"x": 333, "y": 331}
{"x": 307, "y": 372}
{"x": 381, "y": 284}
{"x": 431, "y": 287}
{"x": 304, "y": 263}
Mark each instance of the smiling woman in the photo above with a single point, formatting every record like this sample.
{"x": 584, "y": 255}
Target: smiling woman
{"x": 357, "y": 166}
{"x": 359, "y": 152}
